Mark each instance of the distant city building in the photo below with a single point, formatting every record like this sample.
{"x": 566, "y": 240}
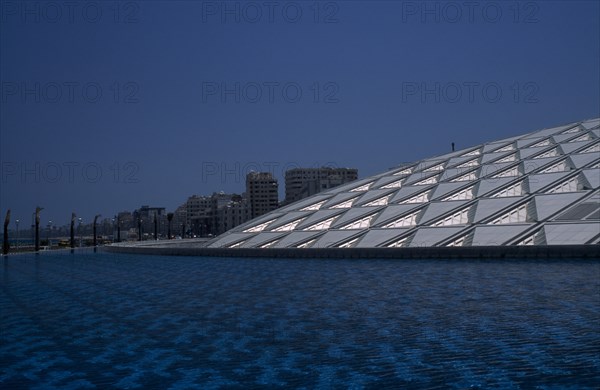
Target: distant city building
{"x": 213, "y": 215}
{"x": 303, "y": 182}
{"x": 198, "y": 215}
{"x": 126, "y": 220}
{"x": 147, "y": 215}
{"x": 179, "y": 220}
{"x": 234, "y": 213}
{"x": 262, "y": 192}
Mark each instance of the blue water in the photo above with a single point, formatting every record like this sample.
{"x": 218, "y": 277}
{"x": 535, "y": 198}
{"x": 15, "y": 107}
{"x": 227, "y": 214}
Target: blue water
{"x": 99, "y": 320}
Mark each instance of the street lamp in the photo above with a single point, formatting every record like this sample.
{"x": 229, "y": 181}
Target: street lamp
{"x": 37, "y": 227}
{"x": 80, "y": 233}
{"x": 118, "y": 229}
{"x": 72, "y": 232}
{"x": 94, "y": 230}
{"x": 33, "y": 228}
{"x": 17, "y": 223}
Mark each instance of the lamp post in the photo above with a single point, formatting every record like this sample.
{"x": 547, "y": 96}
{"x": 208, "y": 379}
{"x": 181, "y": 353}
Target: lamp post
{"x": 113, "y": 230}
{"x": 32, "y": 228}
{"x": 17, "y": 223}
{"x": 80, "y": 232}
{"x": 5, "y": 243}
{"x": 118, "y": 229}
{"x": 37, "y": 228}
{"x": 155, "y": 227}
{"x": 94, "y": 230}
{"x": 139, "y": 229}
{"x": 72, "y": 235}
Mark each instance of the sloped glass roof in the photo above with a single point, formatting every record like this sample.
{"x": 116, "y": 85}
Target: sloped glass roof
{"x": 544, "y": 184}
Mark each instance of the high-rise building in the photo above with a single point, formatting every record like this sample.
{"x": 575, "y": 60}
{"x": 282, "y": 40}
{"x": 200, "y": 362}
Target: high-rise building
{"x": 213, "y": 215}
{"x": 303, "y": 182}
{"x": 146, "y": 215}
{"x": 234, "y": 213}
{"x": 198, "y": 215}
{"x": 262, "y": 193}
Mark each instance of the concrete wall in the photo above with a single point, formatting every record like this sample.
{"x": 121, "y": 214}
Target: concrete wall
{"x": 481, "y": 252}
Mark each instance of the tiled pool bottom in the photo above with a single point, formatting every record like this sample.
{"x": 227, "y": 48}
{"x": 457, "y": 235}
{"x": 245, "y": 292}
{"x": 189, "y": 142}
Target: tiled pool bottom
{"x": 102, "y": 320}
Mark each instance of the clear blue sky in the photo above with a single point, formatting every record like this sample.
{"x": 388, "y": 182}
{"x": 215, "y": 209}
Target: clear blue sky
{"x": 163, "y": 123}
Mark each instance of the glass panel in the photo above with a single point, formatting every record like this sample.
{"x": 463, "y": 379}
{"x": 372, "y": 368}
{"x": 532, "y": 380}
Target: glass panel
{"x": 407, "y": 171}
{"x": 591, "y": 149}
{"x": 567, "y": 186}
{"x": 421, "y": 198}
{"x": 460, "y": 218}
{"x": 397, "y": 244}
{"x": 458, "y": 242}
{"x": 468, "y": 164}
{"x": 514, "y": 216}
{"x": 473, "y": 153}
{"x": 321, "y": 225}
{"x": 514, "y": 171}
{"x": 514, "y": 190}
{"x": 509, "y": 158}
{"x": 573, "y": 130}
{"x": 558, "y": 167}
{"x": 585, "y": 137}
{"x": 429, "y": 180}
{"x": 435, "y": 168}
{"x": 348, "y": 244}
{"x": 396, "y": 184}
{"x": 269, "y": 244}
{"x": 236, "y": 244}
{"x": 258, "y": 228}
{"x": 468, "y": 177}
{"x": 378, "y": 202}
{"x": 409, "y": 220}
{"x": 343, "y": 205}
{"x": 288, "y": 227}
{"x": 364, "y": 187}
{"x": 545, "y": 142}
{"x": 465, "y": 194}
{"x": 315, "y": 206}
{"x": 360, "y": 224}
{"x": 306, "y": 244}
{"x": 506, "y": 148}
{"x": 550, "y": 153}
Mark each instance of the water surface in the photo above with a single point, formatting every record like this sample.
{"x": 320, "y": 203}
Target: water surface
{"x": 89, "y": 320}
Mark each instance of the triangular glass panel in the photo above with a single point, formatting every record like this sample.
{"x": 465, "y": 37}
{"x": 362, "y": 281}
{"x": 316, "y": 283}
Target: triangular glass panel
{"x": 314, "y": 206}
{"x": 423, "y": 197}
{"x": 321, "y": 225}
{"x": 550, "y": 153}
{"x": 407, "y": 220}
{"x": 465, "y": 194}
{"x": 258, "y": 228}
{"x": 362, "y": 223}
{"x": 364, "y": 187}
{"x": 378, "y": 202}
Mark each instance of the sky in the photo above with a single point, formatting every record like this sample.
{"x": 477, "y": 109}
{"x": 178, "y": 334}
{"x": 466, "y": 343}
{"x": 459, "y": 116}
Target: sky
{"x": 107, "y": 106}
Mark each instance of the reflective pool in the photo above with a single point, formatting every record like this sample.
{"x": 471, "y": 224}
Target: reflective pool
{"x": 90, "y": 320}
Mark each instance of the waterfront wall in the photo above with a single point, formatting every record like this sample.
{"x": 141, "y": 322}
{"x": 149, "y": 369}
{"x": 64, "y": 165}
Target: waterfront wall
{"x": 477, "y": 252}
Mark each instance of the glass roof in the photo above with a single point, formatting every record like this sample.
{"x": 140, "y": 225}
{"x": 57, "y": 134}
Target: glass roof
{"x": 529, "y": 189}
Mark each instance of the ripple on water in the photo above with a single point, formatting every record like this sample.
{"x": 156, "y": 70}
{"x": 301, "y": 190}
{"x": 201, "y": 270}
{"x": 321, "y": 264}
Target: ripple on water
{"x": 98, "y": 320}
